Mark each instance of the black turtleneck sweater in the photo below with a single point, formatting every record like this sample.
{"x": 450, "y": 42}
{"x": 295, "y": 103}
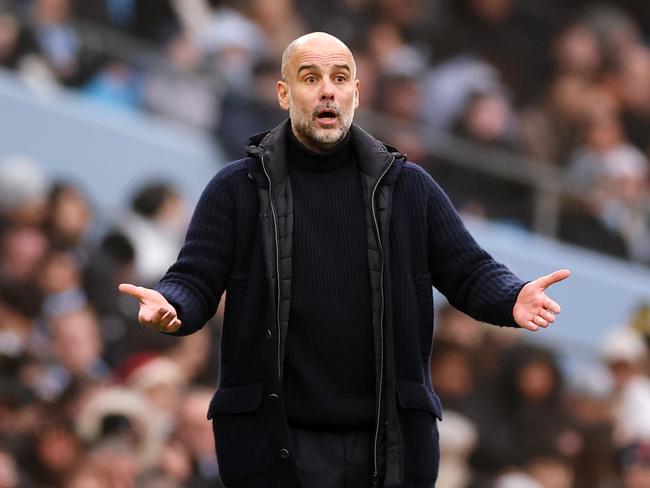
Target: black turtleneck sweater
{"x": 329, "y": 364}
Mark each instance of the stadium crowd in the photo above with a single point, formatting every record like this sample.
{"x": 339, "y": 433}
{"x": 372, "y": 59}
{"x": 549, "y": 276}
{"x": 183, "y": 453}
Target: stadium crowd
{"x": 88, "y": 398}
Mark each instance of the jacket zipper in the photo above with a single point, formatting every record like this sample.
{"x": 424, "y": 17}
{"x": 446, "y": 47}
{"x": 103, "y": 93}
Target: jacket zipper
{"x": 375, "y": 474}
{"x": 277, "y": 263}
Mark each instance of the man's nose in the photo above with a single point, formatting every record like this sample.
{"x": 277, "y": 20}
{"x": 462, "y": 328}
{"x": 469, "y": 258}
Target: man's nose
{"x": 327, "y": 90}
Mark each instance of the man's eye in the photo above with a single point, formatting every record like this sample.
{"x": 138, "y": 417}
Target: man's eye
{"x": 310, "y": 79}
{"x": 340, "y": 79}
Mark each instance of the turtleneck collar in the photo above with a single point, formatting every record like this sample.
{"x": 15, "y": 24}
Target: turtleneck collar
{"x": 300, "y": 155}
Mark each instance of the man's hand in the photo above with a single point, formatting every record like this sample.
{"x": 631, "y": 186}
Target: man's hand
{"x": 155, "y": 311}
{"x": 533, "y": 309}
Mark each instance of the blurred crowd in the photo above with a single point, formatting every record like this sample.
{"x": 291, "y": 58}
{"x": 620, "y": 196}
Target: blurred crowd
{"x": 88, "y": 398}
{"x": 514, "y": 419}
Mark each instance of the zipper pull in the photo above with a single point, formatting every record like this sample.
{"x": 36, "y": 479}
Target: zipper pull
{"x": 375, "y": 480}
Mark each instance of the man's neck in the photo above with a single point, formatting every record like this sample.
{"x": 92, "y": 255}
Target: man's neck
{"x": 302, "y": 156}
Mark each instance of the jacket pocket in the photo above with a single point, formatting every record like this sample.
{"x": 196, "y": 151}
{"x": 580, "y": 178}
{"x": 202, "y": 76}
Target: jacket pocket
{"x": 418, "y": 410}
{"x": 415, "y": 396}
{"x": 239, "y": 431}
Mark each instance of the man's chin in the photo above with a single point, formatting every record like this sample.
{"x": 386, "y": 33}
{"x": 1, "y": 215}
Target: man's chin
{"x": 321, "y": 139}
{"x": 328, "y": 138}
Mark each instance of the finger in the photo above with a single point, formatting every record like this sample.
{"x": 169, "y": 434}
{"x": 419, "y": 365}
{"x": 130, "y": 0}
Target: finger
{"x": 168, "y": 318}
{"x": 554, "y": 277}
{"x": 173, "y": 326}
{"x": 548, "y": 316}
{"x": 552, "y": 306}
{"x": 155, "y": 317}
{"x": 530, "y": 326}
{"x": 540, "y": 321}
{"x": 132, "y": 290}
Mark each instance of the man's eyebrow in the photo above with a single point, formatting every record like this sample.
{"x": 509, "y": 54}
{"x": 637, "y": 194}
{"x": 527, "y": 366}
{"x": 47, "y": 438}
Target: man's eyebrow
{"x": 313, "y": 67}
{"x": 308, "y": 67}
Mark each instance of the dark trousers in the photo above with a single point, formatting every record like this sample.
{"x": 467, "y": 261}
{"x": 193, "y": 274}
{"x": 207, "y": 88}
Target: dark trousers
{"x": 333, "y": 459}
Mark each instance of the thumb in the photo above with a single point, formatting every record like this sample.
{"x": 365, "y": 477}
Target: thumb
{"x": 132, "y": 290}
{"x": 554, "y": 277}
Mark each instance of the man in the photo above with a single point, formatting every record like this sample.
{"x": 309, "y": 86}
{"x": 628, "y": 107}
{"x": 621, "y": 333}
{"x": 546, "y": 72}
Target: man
{"x": 328, "y": 242}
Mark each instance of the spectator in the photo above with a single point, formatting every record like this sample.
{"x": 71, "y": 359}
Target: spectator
{"x": 183, "y": 92}
{"x": 590, "y": 403}
{"x": 242, "y": 115}
{"x": 23, "y": 190}
{"x": 159, "y": 380}
{"x": 278, "y": 20}
{"x": 630, "y": 78}
{"x": 76, "y": 349}
{"x": 532, "y": 385}
{"x": 398, "y": 97}
{"x": 625, "y": 352}
{"x": 68, "y": 216}
{"x": 72, "y": 63}
{"x": 233, "y": 44}
{"x": 502, "y": 35}
{"x": 615, "y": 174}
{"x": 448, "y": 86}
{"x": 16, "y": 43}
{"x": 197, "y": 439}
{"x": 116, "y": 86}
{"x": 56, "y": 450}
{"x": 575, "y": 51}
{"x": 155, "y": 227}
{"x": 118, "y": 419}
{"x": 22, "y": 252}
{"x": 488, "y": 120}
{"x": 552, "y": 126}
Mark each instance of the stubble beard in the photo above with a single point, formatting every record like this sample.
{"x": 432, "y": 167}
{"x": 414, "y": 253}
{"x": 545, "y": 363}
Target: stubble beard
{"x": 318, "y": 138}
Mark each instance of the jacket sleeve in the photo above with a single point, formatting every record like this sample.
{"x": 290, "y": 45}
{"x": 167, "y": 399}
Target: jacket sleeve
{"x": 467, "y": 275}
{"x": 195, "y": 282}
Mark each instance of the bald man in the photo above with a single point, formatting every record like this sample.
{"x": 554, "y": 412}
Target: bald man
{"x": 328, "y": 242}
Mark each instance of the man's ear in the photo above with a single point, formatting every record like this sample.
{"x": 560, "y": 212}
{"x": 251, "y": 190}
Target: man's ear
{"x": 356, "y": 93}
{"x": 283, "y": 94}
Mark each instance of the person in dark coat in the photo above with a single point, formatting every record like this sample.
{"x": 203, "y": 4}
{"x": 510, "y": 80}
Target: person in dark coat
{"x": 328, "y": 242}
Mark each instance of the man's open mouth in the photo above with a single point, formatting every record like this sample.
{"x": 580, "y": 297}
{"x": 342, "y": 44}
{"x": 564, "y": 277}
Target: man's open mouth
{"x": 327, "y": 115}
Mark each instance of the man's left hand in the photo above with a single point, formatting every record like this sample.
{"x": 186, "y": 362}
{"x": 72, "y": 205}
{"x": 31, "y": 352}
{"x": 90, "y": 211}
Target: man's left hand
{"x": 533, "y": 309}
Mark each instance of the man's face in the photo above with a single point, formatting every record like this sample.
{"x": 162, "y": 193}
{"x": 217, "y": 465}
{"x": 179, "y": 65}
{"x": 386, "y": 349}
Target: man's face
{"x": 320, "y": 91}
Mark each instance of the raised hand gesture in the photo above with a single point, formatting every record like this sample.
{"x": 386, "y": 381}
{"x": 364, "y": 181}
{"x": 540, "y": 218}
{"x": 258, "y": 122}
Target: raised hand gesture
{"x": 155, "y": 311}
{"x": 533, "y": 309}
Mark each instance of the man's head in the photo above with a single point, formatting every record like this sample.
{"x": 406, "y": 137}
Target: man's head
{"x": 319, "y": 89}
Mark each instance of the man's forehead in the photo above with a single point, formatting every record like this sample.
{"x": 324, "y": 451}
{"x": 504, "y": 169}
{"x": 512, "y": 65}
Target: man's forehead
{"x": 320, "y": 59}
{"x": 318, "y": 49}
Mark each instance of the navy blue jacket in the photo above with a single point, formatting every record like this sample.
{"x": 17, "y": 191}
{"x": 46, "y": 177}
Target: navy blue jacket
{"x": 240, "y": 241}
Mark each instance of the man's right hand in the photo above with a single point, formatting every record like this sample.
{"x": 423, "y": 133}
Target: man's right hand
{"x": 155, "y": 311}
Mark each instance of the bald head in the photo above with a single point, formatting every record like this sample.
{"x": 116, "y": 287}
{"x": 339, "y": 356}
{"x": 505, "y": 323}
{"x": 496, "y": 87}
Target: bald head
{"x": 316, "y": 40}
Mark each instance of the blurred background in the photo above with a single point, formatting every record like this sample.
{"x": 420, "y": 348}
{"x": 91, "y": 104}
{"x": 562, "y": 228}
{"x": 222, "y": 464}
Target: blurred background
{"x": 534, "y": 115}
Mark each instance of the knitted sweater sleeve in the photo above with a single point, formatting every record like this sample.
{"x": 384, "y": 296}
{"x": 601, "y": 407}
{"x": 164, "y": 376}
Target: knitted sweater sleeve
{"x": 195, "y": 282}
{"x": 466, "y": 274}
